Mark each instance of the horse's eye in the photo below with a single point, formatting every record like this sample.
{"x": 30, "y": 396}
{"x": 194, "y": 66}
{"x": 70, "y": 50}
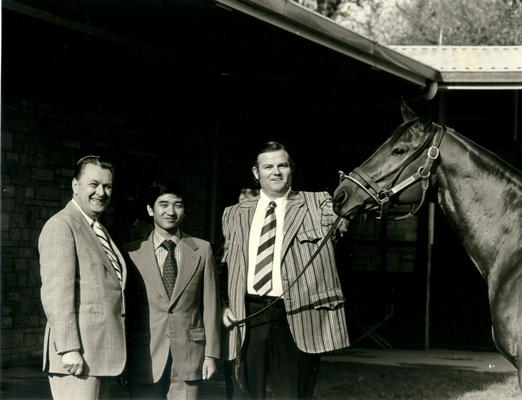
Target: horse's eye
{"x": 399, "y": 151}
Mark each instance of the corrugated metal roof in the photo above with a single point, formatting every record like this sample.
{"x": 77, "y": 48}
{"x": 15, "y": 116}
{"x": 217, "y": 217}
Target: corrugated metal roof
{"x": 471, "y": 65}
{"x": 466, "y": 58}
{"x": 451, "y": 67}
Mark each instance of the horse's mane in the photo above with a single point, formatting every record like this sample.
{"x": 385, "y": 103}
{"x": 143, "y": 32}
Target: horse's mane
{"x": 486, "y": 157}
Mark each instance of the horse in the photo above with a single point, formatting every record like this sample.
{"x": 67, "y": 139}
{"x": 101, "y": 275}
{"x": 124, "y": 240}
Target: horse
{"x": 480, "y": 195}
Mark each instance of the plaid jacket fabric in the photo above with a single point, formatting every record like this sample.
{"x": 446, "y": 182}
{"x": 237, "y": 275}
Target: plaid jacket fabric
{"x": 315, "y": 304}
{"x": 81, "y": 296}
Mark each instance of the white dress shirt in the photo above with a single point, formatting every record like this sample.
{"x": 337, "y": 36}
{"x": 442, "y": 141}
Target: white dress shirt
{"x": 253, "y": 244}
{"x": 161, "y": 252}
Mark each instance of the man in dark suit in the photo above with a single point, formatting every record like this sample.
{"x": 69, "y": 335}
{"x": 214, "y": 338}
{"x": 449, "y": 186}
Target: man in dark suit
{"x": 174, "y": 311}
{"x": 268, "y": 241}
{"x": 83, "y": 276}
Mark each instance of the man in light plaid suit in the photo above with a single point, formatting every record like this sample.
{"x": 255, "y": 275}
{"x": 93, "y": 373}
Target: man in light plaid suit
{"x": 83, "y": 279}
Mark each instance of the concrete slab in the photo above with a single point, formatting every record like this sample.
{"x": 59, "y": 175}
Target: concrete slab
{"x": 465, "y": 360}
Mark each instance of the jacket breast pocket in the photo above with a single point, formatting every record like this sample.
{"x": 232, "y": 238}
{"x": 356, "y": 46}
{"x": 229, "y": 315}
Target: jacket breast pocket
{"x": 328, "y": 300}
{"x": 310, "y": 236}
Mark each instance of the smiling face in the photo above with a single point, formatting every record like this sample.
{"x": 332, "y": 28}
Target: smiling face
{"x": 168, "y": 211}
{"x": 274, "y": 173}
{"x": 93, "y": 189}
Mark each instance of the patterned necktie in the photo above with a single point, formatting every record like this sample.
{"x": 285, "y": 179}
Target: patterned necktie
{"x": 170, "y": 266}
{"x": 265, "y": 253}
{"x": 106, "y": 244}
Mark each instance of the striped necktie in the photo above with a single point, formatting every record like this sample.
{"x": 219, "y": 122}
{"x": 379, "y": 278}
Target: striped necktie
{"x": 265, "y": 253}
{"x": 106, "y": 244}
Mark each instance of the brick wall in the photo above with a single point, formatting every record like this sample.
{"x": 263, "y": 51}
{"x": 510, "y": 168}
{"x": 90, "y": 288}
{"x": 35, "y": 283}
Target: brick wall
{"x": 40, "y": 144}
{"x": 34, "y": 186}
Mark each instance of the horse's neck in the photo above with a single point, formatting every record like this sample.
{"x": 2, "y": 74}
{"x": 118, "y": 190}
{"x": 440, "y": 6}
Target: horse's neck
{"x": 481, "y": 196}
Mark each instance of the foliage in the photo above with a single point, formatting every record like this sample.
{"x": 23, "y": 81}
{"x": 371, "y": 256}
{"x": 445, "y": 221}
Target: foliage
{"x": 419, "y": 22}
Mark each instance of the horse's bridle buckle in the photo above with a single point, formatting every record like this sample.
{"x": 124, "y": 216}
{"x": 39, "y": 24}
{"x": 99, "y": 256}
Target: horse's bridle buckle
{"x": 433, "y": 152}
{"x": 383, "y": 196}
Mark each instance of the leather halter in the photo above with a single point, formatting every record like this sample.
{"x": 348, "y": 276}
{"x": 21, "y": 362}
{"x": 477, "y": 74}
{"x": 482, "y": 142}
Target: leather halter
{"x": 381, "y": 196}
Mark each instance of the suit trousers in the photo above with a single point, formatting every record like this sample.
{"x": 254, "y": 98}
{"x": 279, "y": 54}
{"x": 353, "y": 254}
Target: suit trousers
{"x": 67, "y": 387}
{"x": 270, "y": 360}
{"x": 169, "y": 387}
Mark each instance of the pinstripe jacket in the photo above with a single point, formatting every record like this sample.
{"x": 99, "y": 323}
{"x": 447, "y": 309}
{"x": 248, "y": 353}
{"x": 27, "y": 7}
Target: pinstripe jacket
{"x": 315, "y": 304}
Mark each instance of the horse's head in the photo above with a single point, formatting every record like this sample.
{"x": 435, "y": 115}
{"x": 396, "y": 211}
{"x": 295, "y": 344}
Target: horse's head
{"x": 397, "y": 173}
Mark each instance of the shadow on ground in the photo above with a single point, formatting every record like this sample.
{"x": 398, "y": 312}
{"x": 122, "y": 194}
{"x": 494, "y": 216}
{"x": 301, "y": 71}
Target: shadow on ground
{"x": 353, "y": 381}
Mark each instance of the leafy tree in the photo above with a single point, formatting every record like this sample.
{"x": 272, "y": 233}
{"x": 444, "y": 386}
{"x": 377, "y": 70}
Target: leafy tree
{"x": 419, "y": 22}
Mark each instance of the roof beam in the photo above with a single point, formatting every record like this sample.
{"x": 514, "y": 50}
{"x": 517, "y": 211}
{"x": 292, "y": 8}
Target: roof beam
{"x": 312, "y": 26}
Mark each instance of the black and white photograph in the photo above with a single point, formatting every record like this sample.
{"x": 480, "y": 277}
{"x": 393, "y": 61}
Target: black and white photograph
{"x": 261, "y": 199}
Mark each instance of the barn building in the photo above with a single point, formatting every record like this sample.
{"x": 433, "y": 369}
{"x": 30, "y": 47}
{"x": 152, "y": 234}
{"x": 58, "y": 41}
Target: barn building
{"x": 190, "y": 89}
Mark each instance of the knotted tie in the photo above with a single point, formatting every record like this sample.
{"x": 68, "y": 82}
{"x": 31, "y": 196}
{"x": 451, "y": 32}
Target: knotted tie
{"x": 106, "y": 244}
{"x": 170, "y": 266}
{"x": 265, "y": 252}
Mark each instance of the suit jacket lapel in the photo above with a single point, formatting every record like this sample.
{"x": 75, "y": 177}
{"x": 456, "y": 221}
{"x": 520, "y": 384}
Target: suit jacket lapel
{"x": 89, "y": 235}
{"x": 121, "y": 260}
{"x": 189, "y": 263}
{"x": 246, "y": 216}
{"x": 145, "y": 260}
{"x": 294, "y": 215}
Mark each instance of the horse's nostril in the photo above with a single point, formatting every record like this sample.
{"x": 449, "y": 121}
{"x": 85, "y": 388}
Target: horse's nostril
{"x": 340, "y": 198}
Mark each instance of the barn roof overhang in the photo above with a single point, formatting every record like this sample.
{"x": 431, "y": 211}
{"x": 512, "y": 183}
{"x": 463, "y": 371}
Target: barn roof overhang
{"x": 313, "y": 26}
{"x": 471, "y": 67}
{"x": 251, "y": 47}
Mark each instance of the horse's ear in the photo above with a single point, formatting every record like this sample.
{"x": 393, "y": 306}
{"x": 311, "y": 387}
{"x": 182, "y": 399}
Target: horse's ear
{"x": 426, "y": 119}
{"x": 407, "y": 113}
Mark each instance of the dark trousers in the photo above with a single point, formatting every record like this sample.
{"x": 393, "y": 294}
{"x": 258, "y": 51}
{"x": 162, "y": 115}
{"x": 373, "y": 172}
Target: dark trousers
{"x": 270, "y": 360}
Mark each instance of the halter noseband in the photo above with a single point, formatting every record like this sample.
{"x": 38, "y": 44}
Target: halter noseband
{"x": 381, "y": 196}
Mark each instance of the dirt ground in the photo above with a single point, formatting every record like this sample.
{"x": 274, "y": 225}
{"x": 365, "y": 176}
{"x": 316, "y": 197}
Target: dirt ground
{"x": 349, "y": 374}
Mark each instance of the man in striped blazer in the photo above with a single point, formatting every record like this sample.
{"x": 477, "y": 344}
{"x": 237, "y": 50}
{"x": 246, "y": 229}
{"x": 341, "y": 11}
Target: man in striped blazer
{"x": 268, "y": 241}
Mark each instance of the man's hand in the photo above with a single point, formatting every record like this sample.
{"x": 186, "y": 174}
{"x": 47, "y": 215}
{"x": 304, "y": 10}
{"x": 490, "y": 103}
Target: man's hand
{"x": 73, "y": 362}
{"x": 209, "y": 368}
{"x": 343, "y": 227}
{"x": 228, "y": 318}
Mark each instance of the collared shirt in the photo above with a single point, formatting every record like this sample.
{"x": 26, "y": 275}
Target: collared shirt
{"x": 253, "y": 244}
{"x": 89, "y": 220}
{"x": 161, "y": 252}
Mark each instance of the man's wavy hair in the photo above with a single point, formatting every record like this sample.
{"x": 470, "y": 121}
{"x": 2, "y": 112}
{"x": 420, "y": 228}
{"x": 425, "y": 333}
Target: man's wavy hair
{"x": 91, "y": 159}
